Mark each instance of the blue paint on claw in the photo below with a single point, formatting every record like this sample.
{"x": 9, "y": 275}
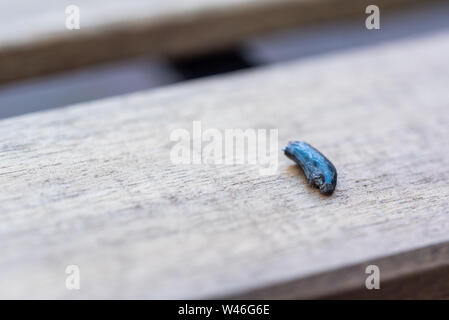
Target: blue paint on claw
{"x": 319, "y": 171}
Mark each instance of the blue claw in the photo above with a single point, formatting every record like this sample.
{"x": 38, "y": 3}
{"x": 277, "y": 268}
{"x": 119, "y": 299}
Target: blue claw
{"x": 319, "y": 171}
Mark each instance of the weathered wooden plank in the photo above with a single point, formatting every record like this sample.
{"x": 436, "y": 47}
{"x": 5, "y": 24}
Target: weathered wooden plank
{"x": 34, "y": 39}
{"x": 93, "y": 185}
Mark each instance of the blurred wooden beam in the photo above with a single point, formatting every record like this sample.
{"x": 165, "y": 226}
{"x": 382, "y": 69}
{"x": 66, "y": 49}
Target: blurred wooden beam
{"x": 35, "y": 41}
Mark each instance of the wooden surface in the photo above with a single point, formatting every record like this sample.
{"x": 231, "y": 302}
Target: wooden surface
{"x": 34, "y": 39}
{"x": 92, "y": 185}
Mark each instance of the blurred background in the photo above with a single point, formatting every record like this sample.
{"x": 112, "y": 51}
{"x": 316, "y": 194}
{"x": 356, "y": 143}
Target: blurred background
{"x": 57, "y": 53}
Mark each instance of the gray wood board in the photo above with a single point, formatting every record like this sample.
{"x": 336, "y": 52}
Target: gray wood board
{"x": 92, "y": 184}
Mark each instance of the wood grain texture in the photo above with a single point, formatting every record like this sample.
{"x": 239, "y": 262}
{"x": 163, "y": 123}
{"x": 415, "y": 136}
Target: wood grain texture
{"x": 93, "y": 185}
{"x": 34, "y": 39}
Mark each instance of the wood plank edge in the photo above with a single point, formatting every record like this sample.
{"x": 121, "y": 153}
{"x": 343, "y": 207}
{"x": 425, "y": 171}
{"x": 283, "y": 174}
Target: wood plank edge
{"x": 419, "y": 274}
